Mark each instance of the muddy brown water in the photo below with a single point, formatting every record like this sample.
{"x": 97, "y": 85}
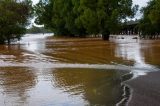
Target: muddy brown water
{"x": 42, "y": 71}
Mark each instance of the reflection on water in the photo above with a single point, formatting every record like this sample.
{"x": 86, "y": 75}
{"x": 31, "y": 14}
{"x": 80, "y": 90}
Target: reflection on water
{"x": 133, "y": 50}
{"x": 14, "y": 84}
{"x": 41, "y": 71}
{"x": 96, "y": 87}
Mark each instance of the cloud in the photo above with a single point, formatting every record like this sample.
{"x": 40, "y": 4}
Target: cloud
{"x": 141, "y": 3}
{"x": 35, "y": 1}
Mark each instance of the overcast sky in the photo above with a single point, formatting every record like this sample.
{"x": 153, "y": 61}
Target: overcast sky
{"x": 141, "y": 3}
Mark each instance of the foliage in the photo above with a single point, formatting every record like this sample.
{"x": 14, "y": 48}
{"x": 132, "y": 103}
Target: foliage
{"x": 81, "y": 17}
{"x": 150, "y": 23}
{"x": 13, "y": 19}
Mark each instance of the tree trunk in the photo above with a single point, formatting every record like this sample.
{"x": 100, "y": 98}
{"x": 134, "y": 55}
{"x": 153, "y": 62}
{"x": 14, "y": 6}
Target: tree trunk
{"x": 106, "y": 35}
{"x": 2, "y": 41}
{"x": 8, "y": 41}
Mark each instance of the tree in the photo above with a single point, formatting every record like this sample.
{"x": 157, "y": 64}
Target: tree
{"x": 14, "y": 16}
{"x": 150, "y": 22}
{"x": 81, "y": 17}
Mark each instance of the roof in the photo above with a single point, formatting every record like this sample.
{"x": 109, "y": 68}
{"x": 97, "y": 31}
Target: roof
{"x": 132, "y": 22}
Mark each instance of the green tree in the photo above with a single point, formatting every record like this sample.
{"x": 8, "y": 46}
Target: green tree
{"x": 150, "y": 22}
{"x": 14, "y": 16}
{"x": 81, "y": 17}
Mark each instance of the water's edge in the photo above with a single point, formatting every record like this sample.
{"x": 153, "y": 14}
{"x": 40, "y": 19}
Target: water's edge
{"x": 127, "y": 90}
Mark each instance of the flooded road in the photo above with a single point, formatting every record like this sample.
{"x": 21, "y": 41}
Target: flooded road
{"x": 42, "y": 71}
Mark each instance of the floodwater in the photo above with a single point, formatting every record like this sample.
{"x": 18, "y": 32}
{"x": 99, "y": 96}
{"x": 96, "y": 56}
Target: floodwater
{"x": 42, "y": 71}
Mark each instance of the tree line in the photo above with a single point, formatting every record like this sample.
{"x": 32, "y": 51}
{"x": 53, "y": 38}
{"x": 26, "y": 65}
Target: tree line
{"x": 75, "y": 17}
{"x": 149, "y": 25}
{"x": 14, "y": 16}
{"x": 83, "y": 17}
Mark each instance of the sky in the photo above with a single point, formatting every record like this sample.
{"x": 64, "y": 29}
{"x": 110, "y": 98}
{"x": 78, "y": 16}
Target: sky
{"x": 141, "y": 3}
{"x": 35, "y": 1}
